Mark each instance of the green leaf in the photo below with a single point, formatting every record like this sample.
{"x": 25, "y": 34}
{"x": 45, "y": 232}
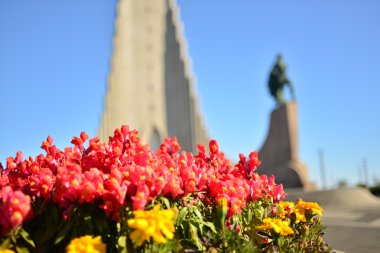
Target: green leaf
{"x": 194, "y": 236}
{"x": 22, "y": 249}
{"x": 88, "y": 224}
{"x": 259, "y": 213}
{"x": 210, "y": 225}
{"x": 182, "y": 215}
{"x": 101, "y": 224}
{"x": 196, "y": 211}
{"x": 200, "y": 225}
{"x": 62, "y": 234}
{"x": 124, "y": 250}
{"x": 55, "y": 214}
{"x": 14, "y": 235}
{"x": 122, "y": 241}
{"x": 186, "y": 243}
{"x": 47, "y": 234}
{"x": 194, "y": 233}
{"x": 166, "y": 202}
{"x": 5, "y": 244}
{"x": 249, "y": 218}
{"x": 25, "y": 235}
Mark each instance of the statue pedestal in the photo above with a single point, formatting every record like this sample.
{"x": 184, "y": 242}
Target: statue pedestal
{"x": 279, "y": 154}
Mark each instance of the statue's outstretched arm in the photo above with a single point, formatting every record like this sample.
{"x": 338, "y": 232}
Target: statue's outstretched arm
{"x": 292, "y": 93}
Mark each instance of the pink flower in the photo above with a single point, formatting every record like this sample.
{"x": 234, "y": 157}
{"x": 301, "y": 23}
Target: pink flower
{"x": 14, "y": 208}
{"x": 173, "y": 187}
{"x": 42, "y": 183}
{"x": 141, "y": 197}
{"x": 92, "y": 186}
{"x": 278, "y": 193}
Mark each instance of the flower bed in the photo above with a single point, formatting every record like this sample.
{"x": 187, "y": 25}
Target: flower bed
{"x": 121, "y": 196}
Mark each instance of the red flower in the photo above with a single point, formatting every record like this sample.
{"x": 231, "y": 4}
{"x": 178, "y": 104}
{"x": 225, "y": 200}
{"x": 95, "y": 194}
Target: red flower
{"x": 78, "y": 141}
{"x": 214, "y": 148}
{"x": 124, "y": 168}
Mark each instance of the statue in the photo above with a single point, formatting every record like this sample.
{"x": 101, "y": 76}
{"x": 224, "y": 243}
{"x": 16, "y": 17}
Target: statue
{"x": 278, "y": 80}
{"x": 279, "y": 153}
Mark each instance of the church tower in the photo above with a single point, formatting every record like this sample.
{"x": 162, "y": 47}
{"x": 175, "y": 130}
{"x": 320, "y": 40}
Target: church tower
{"x": 151, "y": 86}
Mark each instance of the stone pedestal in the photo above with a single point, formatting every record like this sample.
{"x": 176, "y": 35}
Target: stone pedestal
{"x": 279, "y": 154}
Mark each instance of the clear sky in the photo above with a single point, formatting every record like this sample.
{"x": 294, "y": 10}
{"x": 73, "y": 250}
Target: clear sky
{"x": 54, "y": 60}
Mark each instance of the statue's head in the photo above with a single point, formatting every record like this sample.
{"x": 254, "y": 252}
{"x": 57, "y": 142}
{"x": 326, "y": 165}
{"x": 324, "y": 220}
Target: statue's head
{"x": 280, "y": 59}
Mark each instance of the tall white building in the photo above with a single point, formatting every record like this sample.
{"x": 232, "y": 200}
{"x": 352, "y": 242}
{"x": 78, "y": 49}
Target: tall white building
{"x": 151, "y": 85}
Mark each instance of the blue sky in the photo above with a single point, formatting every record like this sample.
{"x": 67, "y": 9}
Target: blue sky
{"x": 54, "y": 60}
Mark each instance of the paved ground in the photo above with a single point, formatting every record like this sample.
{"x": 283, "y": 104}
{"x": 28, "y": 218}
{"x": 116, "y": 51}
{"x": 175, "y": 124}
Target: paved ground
{"x": 353, "y": 230}
{"x": 352, "y": 217}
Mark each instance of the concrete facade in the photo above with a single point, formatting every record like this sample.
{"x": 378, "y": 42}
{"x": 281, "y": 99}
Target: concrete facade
{"x": 151, "y": 85}
{"x": 279, "y": 154}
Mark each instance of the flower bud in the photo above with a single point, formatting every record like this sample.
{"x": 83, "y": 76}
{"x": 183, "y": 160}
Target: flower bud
{"x": 221, "y": 210}
{"x": 274, "y": 210}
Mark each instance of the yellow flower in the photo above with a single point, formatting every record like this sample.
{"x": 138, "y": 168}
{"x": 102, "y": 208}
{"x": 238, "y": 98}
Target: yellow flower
{"x": 86, "y": 244}
{"x": 277, "y": 225}
{"x": 302, "y": 208}
{"x": 155, "y": 223}
{"x": 6, "y": 251}
{"x": 285, "y": 208}
{"x": 221, "y": 210}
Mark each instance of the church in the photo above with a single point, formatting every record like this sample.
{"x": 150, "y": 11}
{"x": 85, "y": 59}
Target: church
{"x": 151, "y": 85}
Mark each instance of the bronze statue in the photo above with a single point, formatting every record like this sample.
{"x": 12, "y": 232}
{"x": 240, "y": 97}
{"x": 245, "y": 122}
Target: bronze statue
{"x": 278, "y": 80}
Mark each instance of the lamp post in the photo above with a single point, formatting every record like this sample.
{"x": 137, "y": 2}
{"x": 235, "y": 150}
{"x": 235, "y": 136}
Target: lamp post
{"x": 365, "y": 172}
